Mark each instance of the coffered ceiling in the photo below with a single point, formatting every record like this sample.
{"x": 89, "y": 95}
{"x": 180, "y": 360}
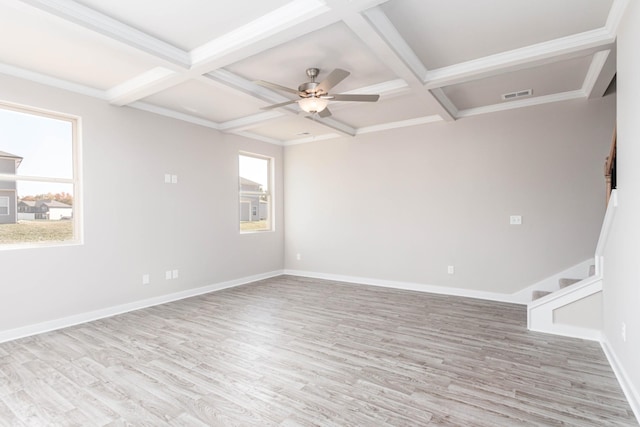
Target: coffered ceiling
{"x": 198, "y": 60}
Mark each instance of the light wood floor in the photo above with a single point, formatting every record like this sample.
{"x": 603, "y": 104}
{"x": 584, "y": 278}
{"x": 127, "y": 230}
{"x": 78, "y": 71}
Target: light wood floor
{"x": 301, "y": 352}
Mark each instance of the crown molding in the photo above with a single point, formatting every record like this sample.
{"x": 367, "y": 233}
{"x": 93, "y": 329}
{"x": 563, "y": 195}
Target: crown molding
{"x": 257, "y": 137}
{"x": 95, "y": 21}
{"x": 309, "y": 139}
{"x": 47, "y": 80}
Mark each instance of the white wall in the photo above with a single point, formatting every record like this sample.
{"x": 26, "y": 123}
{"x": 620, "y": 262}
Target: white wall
{"x": 402, "y": 205}
{"x": 134, "y": 222}
{"x": 621, "y": 292}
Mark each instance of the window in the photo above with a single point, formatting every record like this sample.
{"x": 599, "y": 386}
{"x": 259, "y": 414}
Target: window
{"x": 39, "y": 179}
{"x": 4, "y": 205}
{"x": 255, "y": 183}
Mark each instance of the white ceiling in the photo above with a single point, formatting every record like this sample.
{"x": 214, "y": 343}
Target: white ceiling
{"x": 198, "y": 60}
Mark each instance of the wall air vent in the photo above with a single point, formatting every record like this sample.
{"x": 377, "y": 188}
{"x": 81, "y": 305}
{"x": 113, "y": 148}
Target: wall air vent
{"x": 517, "y": 94}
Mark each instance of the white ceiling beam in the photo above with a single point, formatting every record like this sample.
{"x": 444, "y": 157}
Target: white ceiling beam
{"x": 605, "y": 75}
{"x": 249, "y": 122}
{"x": 399, "y": 124}
{"x": 538, "y": 100}
{"x": 234, "y": 81}
{"x": 334, "y": 124}
{"x": 174, "y": 114}
{"x": 593, "y": 73}
{"x": 142, "y": 85}
{"x": 529, "y": 56}
{"x": 377, "y": 32}
{"x": 95, "y": 21}
{"x": 287, "y": 23}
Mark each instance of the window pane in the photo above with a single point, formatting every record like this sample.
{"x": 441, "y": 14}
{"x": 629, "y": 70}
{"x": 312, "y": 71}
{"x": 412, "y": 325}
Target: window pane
{"x": 37, "y": 179}
{"x": 44, "y": 213}
{"x": 255, "y": 197}
{"x": 4, "y": 205}
{"x": 41, "y": 146}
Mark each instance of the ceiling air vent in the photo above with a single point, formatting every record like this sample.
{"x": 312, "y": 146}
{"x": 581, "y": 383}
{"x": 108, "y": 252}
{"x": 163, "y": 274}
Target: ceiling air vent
{"x": 517, "y": 94}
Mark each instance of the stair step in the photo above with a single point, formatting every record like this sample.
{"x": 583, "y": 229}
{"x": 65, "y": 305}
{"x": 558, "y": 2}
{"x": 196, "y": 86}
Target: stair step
{"x": 592, "y": 270}
{"x": 567, "y": 282}
{"x": 539, "y": 294}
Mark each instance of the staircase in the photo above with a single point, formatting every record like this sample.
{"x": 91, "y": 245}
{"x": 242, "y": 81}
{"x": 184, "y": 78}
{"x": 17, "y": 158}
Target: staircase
{"x": 574, "y": 307}
{"x": 562, "y": 284}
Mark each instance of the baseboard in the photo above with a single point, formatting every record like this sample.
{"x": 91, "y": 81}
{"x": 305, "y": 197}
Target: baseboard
{"x": 39, "y": 328}
{"x": 631, "y": 393}
{"x": 409, "y": 286}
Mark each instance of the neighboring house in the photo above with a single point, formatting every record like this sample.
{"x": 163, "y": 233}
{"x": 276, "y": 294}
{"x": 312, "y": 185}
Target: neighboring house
{"x": 26, "y": 210}
{"x": 8, "y": 165}
{"x": 251, "y": 207}
{"x": 52, "y": 210}
{"x": 43, "y": 209}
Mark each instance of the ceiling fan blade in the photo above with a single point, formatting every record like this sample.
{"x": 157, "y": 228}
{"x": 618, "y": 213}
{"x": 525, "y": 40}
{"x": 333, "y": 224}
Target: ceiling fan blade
{"x": 276, "y": 86}
{"x": 335, "y": 77}
{"x": 282, "y": 104}
{"x": 324, "y": 113}
{"x": 356, "y": 98}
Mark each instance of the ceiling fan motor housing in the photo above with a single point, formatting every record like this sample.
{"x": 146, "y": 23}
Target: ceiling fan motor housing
{"x": 309, "y": 88}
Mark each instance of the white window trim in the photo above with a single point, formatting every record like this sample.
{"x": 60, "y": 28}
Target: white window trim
{"x": 76, "y": 181}
{"x": 270, "y": 193}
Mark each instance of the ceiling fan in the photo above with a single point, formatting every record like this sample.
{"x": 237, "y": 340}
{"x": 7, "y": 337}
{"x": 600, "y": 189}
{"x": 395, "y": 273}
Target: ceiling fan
{"x": 315, "y": 96}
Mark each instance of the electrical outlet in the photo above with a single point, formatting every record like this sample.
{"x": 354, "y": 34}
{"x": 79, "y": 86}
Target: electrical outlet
{"x": 515, "y": 220}
{"x": 174, "y": 179}
{"x": 623, "y": 332}
{"x": 451, "y": 269}
{"x": 167, "y": 275}
{"x": 167, "y": 178}
{"x": 145, "y": 279}
{"x": 174, "y": 274}
{"x": 298, "y": 257}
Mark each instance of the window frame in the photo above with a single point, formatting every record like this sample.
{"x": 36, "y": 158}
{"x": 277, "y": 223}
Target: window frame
{"x": 75, "y": 181}
{"x": 269, "y": 193}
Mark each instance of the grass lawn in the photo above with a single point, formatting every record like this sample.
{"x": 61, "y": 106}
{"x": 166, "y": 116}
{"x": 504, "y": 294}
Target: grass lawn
{"x": 254, "y": 225}
{"x": 36, "y": 231}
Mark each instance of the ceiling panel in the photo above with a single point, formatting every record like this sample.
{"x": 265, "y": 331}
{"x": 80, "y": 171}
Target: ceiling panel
{"x": 211, "y": 101}
{"x": 292, "y": 127}
{"x": 443, "y": 33}
{"x": 387, "y": 109}
{"x": 558, "y": 77}
{"x": 46, "y": 44}
{"x": 332, "y": 47}
{"x": 185, "y": 24}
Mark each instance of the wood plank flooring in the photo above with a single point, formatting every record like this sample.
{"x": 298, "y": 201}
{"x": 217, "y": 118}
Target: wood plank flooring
{"x": 291, "y": 351}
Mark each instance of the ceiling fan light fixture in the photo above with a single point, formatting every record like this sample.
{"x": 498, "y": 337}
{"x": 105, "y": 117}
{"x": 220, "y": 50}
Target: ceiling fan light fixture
{"x": 313, "y": 104}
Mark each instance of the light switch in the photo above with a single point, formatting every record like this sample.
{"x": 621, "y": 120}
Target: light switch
{"x": 515, "y": 220}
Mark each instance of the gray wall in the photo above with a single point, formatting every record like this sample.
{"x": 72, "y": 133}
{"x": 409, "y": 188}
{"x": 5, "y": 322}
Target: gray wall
{"x": 621, "y": 292}
{"x": 401, "y": 205}
{"x": 134, "y": 223}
